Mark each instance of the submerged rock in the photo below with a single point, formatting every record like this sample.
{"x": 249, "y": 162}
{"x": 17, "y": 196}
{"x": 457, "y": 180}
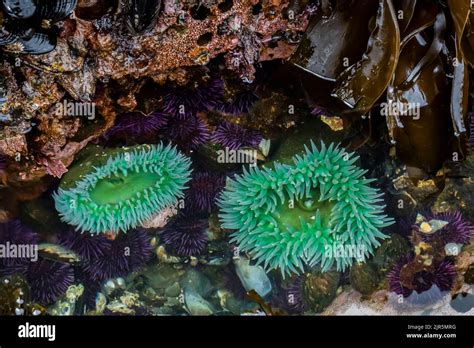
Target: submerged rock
{"x": 391, "y": 250}
{"x": 100, "y": 303}
{"x": 196, "y": 281}
{"x": 252, "y": 277}
{"x": 67, "y": 305}
{"x": 463, "y": 303}
{"x": 159, "y": 277}
{"x": 364, "y": 277}
{"x": 196, "y": 304}
{"x": 469, "y": 276}
{"x": 319, "y": 290}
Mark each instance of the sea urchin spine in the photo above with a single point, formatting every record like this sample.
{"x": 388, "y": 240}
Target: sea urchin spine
{"x": 406, "y": 277}
{"x": 118, "y": 189}
{"x": 235, "y": 137}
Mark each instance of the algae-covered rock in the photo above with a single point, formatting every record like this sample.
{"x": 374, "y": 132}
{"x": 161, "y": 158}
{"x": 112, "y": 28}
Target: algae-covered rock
{"x": 196, "y": 304}
{"x": 390, "y": 252}
{"x": 319, "y": 290}
{"x": 364, "y": 277}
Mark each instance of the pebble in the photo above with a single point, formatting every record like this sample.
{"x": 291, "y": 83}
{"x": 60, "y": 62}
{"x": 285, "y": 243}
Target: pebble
{"x": 252, "y": 277}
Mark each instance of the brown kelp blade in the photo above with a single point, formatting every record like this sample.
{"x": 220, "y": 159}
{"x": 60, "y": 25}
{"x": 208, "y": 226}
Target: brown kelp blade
{"x": 332, "y": 44}
{"x": 267, "y": 308}
{"x": 462, "y": 16}
{"x": 419, "y": 83}
{"x": 364, "y": 82}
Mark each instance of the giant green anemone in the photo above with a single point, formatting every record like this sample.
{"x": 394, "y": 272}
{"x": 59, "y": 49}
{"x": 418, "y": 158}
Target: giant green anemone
{"x": 118, "y": 189}
{"x": 319, "y": 210}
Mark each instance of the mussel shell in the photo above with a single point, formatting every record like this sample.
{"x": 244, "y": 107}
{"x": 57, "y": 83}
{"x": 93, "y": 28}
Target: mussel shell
{"x": 19, "y": 29}
{"x": 55, "y": 10}
{"x": 141, "y": 14}
{"x": 19, "y": 8}
{"x": 7, "y": 37}
{"x": 3, "y": 90}
{"x": 39, "y": 43}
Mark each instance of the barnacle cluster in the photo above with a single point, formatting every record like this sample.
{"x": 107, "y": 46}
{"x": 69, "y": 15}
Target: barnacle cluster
{"x": 23, "y": 22}
{"x": 15, "y": 298}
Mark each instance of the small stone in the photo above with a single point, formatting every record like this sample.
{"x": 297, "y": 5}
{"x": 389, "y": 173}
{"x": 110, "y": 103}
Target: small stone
{"x": 469, "y": 275}
{"x": 252, "y": 277}
{"x": 74, "y": 292}
{"x": 319, "y": 290}
{"x": 109, "y": 287}
{"x": 120, "y": 282}
{"x": 196, "y": 304}
{"x": 193, "y": 261}
{"x": 196, "y": 281}
{"x": 164, "y": 257}
{"x": 335, "y": 123}
{"x": 130, "y": 299}
{"x": 364, "y": 277}
{"x": 100, "y": 302}
{"x": 118, "y": 307}
{"x": 160, "y": 276}
{"x": 173, "y": 290}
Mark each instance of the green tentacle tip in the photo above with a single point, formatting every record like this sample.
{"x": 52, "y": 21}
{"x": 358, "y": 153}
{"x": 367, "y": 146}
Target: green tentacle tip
{"x": 319, "y": 210}
{"x": 111, "y": 190}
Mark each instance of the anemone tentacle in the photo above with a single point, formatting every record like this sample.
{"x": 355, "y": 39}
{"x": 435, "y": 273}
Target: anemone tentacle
{"x": 116, "y": 190}
{"x": 290, "y": 216}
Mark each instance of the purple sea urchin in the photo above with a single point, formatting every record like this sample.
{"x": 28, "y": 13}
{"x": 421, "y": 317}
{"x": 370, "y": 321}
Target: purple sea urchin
{"x": 87, "y": 246}
{"x": 186, "y": 238}
{"x": 458, "y": 230}
{"x": 319, "y": 210}
{"x": 49, "y": 280}
{"x": 240, "y": 104}
{"x": 189, "y": 101}
{"x": 187, "y": 131}
{"x": 311, "y": 292}
{"x": 137, "y": 125}
{"x": 319, "y": 111}
{"x": 294, "y": 297}
{"x": 3, "y": 162}
{"x": 407, "y": 277}
{"x": 234, "y": 137}
{"x": 203, "y": 190}
{"x": 138, "y": 243}
{"x": 15, "y": 233}
{"x": 126, "y": 253}
{"x": 118, "y": 189}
